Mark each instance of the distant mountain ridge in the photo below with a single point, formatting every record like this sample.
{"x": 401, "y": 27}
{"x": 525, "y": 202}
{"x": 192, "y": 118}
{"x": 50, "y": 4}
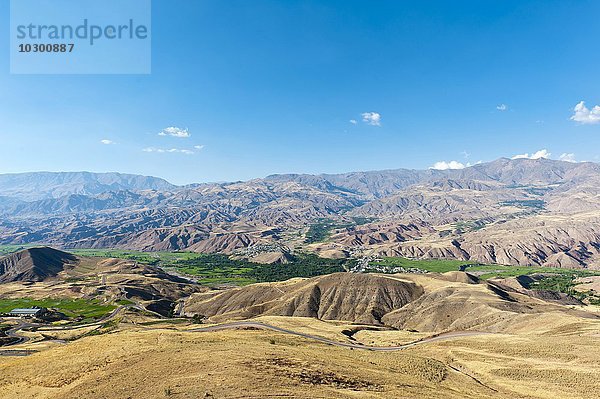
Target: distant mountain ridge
{"x": 522, "y": 211}
{"x": 503, "y": 170}
{"x": 44, "y": 185}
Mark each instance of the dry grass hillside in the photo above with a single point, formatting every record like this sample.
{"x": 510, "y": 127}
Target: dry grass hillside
{"x": 49, "y": 273}
{"x": 343, "y": 335}
{"x": 161, "y": 361}
{"x": 454, "y": 301}
{"x": 361, "y": 298}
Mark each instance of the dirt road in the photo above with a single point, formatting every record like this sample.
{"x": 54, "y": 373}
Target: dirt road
{"x": 251, "y": 324}
{"x": 263, "y": 326}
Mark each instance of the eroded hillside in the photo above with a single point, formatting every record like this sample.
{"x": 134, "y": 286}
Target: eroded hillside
{"x": 518, "y": 212}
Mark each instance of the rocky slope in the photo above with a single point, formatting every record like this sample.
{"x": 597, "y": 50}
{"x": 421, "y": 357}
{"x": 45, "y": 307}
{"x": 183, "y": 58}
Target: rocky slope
{"x": 35, "y": 264}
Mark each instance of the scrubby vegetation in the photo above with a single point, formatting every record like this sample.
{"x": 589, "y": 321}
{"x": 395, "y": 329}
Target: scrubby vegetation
{"x": 300, "y": 266}
{"x": 560, "y": 283}
{"x": 565, "y": 283}
{"x": 217, "y": 269}
{"x": 526, "y": 204}
{"x": 466, "y": 226}
{"x": 484, "y": 271}
{"x": 213, "y": 269}
{"x": 321, "y": 230}
{"x": 150, "y": 258}
{"x": 430, "y": 265}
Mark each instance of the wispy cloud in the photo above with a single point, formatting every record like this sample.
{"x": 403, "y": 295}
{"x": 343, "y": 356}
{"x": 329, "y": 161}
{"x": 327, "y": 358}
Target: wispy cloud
{"x": 584, "y": 115}
{"x": 502, "y": 107}
{"x": 568, "y": 157}
{"x": 175, "y": 132}
{"x": 443, "y": 165}
{"x": 371, "y": 118}
{"x": 169, "y": 150}
{"x": 536, "y": 155}
{"x": 199, "y": 147}
{"x": 353, "y": 121}
{"x": 107, "y": 142}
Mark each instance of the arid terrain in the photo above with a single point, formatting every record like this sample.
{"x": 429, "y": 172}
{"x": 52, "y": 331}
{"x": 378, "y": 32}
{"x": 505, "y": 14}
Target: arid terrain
{"x": 300, "y": 199}
{"x": 472, "y": 283}
{"x": 48, "y": 273}
{"x": 341, "y": 335}
{"x": 516, "y": 212}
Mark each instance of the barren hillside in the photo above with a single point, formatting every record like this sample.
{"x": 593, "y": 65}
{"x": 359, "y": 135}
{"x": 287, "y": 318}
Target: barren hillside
{"x": 518, "y": 212}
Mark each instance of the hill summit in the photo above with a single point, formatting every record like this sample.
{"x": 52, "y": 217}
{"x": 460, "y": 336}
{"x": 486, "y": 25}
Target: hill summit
{"x": 34, "y": 264}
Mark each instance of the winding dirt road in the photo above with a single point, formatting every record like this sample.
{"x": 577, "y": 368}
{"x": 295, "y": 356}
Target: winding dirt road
{"x": 263, "y": 326}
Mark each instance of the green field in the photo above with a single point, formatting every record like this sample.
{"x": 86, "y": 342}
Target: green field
{"x": 560, "y": 280}
{"x": 525, "y": 204}
{"x": 219, "y": 269}
{"x": 152, "y": 258}
{"x": 142, "y": 257}
{"x": 321, "y": 230}
{"x": 434, "y": 265}
{"x": 215, "y": 269}
{"x": 565, "y": 282}
{"x": 490, "y": 271}
{"x": 513, "y": 271}
{"x": 88, "y": 310}
{"x": 9, "y": 249}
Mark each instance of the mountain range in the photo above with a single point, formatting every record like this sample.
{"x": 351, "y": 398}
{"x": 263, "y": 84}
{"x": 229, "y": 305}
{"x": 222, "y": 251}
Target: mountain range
{"x": 519, "y": 212}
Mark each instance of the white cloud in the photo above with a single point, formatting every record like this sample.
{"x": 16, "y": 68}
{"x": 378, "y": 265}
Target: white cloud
{"x": 541, "y": 154}
{"x": 502, "y": 107}
{"x": 443, "y": 165}
{"x": 168, "y": 150}
{"x": 536, "y": 155}
{"x": 353, "y": 121}
{"x": 371, "y": 118}
{"x": 199, "y": 147}
{"x": 584, "y": 115}
{"x": 521, "y": 156}
{"x": 175, "y": 132}
{"x": 568, "y": 157}
{"x": 107, "y": 142}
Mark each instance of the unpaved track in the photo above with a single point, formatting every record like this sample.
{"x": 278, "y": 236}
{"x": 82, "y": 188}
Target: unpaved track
{"x": 263, "y": 326}
{"x": 13, "y": 332}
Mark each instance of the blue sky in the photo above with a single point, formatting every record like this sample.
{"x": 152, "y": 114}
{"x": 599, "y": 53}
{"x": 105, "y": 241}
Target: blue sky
{"x": 264, "y": 87}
